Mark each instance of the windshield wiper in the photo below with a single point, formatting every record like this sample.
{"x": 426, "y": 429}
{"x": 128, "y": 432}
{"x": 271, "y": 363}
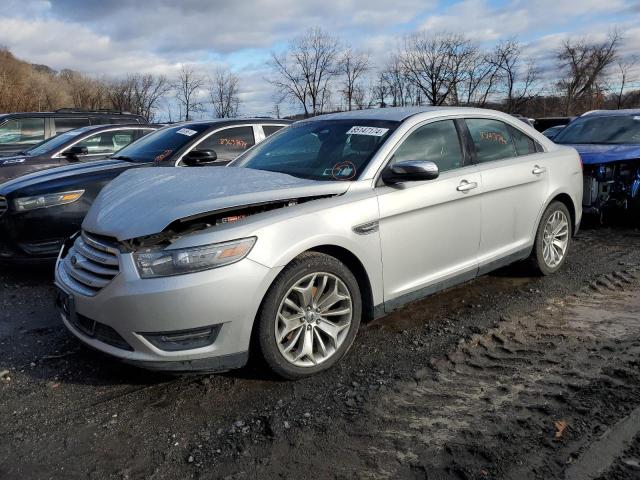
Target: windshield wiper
{"x": 121, "y": 157}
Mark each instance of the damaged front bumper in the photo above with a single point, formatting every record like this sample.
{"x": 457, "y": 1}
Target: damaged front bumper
{"x": 611, "y": 186}
{"x": 194, "y": 322}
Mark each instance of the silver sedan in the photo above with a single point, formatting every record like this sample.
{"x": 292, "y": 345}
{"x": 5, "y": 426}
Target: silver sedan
{"x": 333, "y": 220}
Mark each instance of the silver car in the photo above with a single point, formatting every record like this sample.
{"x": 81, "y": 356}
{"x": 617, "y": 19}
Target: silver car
{"x": 330, "y": 221}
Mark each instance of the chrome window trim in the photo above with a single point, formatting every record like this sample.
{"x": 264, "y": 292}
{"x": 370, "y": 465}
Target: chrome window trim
{"x": 58, "y": 154}
{"x": 204, "y": 137}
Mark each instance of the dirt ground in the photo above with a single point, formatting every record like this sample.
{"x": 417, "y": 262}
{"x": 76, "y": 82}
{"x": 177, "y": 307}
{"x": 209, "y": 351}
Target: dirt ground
{"x": 506, "y": 377}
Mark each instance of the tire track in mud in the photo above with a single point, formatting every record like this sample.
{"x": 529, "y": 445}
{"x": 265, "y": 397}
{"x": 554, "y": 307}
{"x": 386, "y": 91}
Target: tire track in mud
{"x": 474, "y": 412}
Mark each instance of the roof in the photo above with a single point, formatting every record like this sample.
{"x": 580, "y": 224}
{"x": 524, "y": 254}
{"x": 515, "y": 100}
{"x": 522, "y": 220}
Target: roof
{"x": 397, "y": 114}
{"x": 230, "y": 121}
{"x": 612, "y": 113}
{"x": 111, "y": 126}
{"x": 69, "y": 114}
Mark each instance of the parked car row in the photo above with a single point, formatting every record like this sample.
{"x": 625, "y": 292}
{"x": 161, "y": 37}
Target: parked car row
{"x": 21, "y": 131}
{"x": 283, "y": 252}
{"x": 39, "y": 210}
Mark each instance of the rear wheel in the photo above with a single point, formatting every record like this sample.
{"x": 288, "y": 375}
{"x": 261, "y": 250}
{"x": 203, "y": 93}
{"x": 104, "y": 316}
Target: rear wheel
{"x": 309, "y": 317}
{"x": 553, "y": 239}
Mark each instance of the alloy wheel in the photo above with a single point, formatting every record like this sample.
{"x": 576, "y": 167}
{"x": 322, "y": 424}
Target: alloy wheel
{"x": 313, "y": 319}
{"x": 555, "y": 239}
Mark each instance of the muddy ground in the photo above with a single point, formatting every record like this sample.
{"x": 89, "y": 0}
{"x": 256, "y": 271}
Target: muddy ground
{"x": 508, "y": 376}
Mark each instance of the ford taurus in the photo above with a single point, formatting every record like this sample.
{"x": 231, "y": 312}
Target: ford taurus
{"x": 333, "y": 220}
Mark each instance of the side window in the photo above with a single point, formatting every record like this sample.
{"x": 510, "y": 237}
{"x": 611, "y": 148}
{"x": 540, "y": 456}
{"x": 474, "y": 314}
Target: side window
{"x": 229, "y": 143}
{"x": 271, "y": 129}
{"x": 437, "y": 142}
{"x": 63, "y": 124}
{"x": 492, "y": 139}
{"x": 524, "y": 144}
{"x": 106, "y": 143}
{"x": 22, "y": 131}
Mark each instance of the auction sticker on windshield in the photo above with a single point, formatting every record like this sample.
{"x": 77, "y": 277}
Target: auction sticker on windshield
{"x": 186, "y": 131}
{"x": 372, "y": 131}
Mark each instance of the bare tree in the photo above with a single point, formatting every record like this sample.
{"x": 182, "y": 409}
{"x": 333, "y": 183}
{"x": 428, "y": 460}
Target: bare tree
{"x": 351, "y": 65}
{"x": 626, "y": 73}
{"x": 86, "y": 93}
{"x": 434, "y": 63}
{"x": 478, "y": 80}
{"x": 187, "y": 88}
{"x": 303, "y": 73}
{"x": 121, "y": 94}
{"x": 138, "y": 93}
{"x": 584, "y": 65}
{"x": 378, "y": 92}
{"x": 223, "y": 91}
{"x": 394, "y": 77}
{"x": 518, "y": 78}
{"x": 148, "y": 90}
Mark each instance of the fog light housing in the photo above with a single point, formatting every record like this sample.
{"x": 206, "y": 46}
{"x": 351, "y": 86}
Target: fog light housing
{"x": 178, "y": 340}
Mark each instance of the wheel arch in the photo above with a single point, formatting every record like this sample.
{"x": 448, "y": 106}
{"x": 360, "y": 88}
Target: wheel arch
{"x": 354, "y": 264}
{"x": 566, "y": 199}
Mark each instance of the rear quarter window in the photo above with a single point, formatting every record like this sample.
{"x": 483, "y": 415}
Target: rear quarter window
{"x": 492, "y": 139}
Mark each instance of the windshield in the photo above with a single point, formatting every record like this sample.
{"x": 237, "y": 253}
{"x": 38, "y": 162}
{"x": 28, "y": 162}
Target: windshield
{"x": 51, "y": 144}
{"x": 612, "y": 129}
{"x": 160, "y": 145}
{"x": 320, "y": 149}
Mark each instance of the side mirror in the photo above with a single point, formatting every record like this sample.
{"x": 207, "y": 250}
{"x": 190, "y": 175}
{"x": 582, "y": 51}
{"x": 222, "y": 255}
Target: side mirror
{"x": 199, "y": 158}
{"x": 74, "y": 152}
{"x": 410, "y": 171}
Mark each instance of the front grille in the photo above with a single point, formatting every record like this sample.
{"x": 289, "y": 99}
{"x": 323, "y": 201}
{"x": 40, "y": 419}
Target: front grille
{"x": 3, "y": 205}
{"x": 92, "y": 262}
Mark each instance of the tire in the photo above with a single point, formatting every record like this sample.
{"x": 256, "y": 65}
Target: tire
{"x": 541, "y": 264}
{"x": 291, "y": 285}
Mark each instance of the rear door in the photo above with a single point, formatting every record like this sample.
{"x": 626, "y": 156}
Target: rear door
{"x": 515, "y": 181}
{"x": 430, "y": 230}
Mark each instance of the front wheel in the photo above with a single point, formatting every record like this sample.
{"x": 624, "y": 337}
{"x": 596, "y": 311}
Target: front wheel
{"x": 309, "y": 317}
{"x": 553, "y": 239}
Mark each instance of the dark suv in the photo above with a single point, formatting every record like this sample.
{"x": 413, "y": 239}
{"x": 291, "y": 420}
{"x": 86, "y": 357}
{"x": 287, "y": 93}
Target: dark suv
{"x": 21, "y": 131}
{"x": 40, "y": 210}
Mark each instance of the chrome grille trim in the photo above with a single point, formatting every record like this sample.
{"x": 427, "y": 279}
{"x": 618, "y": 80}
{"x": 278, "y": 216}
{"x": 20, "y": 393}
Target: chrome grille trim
{"x": 94, "y": 254}
{"x": 98, "y": 244}
{"x": 90, "y": 265}
{"x": 4, "y": 206}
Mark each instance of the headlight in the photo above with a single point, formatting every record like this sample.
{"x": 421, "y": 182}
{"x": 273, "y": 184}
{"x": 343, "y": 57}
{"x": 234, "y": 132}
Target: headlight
{"x": 48, "y": 200}
{"x": 154, "y": 262}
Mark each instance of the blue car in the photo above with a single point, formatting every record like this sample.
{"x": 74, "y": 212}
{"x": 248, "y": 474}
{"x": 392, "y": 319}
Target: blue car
{"x": 608, "y": 142}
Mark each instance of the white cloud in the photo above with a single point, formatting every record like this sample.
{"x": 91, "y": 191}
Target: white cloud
{"x": 115, "y": 37}
{"x": 60, "y": 45}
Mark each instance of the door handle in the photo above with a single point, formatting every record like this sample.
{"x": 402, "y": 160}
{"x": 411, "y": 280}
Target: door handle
{"x": 466, "y": 186}
{"x": 538, "y": 170}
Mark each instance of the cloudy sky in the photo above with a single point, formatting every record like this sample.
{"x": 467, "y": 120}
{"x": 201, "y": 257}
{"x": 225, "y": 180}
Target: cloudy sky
{"x": 114, "y": 37}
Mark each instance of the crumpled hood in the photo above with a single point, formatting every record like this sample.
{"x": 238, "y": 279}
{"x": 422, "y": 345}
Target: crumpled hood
{"x": 596, "y": 154}
{"x": 145, "y": 201}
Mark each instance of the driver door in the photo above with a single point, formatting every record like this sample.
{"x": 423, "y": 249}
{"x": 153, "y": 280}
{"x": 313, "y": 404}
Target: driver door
{"x": 430, "y": 230}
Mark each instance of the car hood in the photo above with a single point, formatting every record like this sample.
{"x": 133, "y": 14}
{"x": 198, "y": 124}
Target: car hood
{"x": 144, "y": 202}
{"x": 596, "y": 154}
{"x": 56, "y": 173}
